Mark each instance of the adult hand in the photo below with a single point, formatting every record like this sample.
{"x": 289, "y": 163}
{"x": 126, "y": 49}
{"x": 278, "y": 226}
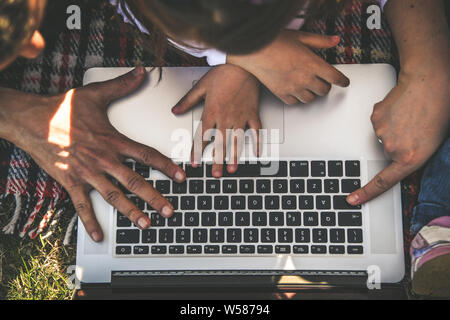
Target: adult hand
{"x": 412, "y": 122}
{"x": 71, "y": 138}
{"x": 231, "y": 102}
{"x": 290, "y": 69}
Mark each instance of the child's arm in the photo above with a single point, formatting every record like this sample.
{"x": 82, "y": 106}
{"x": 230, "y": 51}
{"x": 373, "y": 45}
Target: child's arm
{"x": 412, "y": 121}
{"x": 290, "y": 69}
{"x": 231, "y": 98}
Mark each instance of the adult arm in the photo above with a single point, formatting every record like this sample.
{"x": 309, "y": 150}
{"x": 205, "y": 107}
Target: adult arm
{"x": 412, "y": 121}
{"x": 71, "y": 138}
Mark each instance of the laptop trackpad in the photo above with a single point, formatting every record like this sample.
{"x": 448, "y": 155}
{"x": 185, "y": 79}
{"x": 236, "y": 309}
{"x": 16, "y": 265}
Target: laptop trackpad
{"x": 271, "y": 113}
{"x": 381, "y": 216}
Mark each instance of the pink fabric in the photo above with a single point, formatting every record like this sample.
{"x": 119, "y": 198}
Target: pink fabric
{"x": 441, "y": 222}
{"x": 419, "y": 243}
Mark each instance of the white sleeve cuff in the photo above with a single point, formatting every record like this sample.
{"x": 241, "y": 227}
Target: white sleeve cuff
{"x": 135, "y": 21}
{"x": 216, "y": 57}
{"x": 213, "y": 57}
{"x": 382, "y": 3}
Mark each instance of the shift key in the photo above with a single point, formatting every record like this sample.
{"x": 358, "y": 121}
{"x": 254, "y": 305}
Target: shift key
{"x": 350, "y": 219}
{"x": 127, "y": 236}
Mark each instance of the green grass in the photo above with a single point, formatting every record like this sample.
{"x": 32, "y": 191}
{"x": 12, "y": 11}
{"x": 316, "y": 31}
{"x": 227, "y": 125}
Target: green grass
{"x": 35, "y": 269}
{"x": 41, "y": 276}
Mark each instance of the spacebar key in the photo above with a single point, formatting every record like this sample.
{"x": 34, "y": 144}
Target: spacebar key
{"x": 274, "y": 169}
{"x": 340, "y": 203}
{"x": 245, "y": 170}
{"x": 256, "y": 170}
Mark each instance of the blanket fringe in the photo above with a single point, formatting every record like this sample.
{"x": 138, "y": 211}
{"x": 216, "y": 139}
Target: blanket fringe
{"x": 49, "y": 222}
{"x": 53, "y": 224}
{"x": 36, "y": 231}
{"x": 11, "y": 226}
{"x": 32, "y": 217}
{"x": 70, "y": 229}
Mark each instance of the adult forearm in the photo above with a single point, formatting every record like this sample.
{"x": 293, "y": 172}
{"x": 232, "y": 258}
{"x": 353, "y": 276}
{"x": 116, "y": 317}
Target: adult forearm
{"x": 16, "y": 108}
{"x": 421, "y": 32}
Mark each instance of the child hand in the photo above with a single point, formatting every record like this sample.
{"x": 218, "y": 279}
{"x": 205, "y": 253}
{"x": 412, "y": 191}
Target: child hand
{"x": 290, "y": 69}
{"x": 231, "y": 102}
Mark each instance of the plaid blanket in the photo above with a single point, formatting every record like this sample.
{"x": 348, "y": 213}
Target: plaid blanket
{"x": 30, "y": 198}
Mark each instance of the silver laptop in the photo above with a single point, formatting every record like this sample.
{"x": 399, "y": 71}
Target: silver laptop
{"x": 286, "y": 224}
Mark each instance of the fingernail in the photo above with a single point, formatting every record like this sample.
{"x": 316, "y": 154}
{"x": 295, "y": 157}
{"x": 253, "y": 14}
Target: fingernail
{"x": 232, "y": 168}
{"x": 179, "y": 176}
{"x": 217, "y": 173}
{"x": 167, "y": 211}
{"x": 96, "y": 236}
{"x": 143, "y": 223}
{"x": 353, "y": 199}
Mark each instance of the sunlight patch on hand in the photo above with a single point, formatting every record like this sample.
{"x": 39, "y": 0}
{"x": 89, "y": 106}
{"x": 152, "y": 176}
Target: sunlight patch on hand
{"x": 59, "y": 131}
{"x": 62, "y": 166}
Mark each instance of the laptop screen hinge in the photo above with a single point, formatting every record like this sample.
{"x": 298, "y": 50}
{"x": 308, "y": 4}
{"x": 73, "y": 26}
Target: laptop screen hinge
{"x": 236, "y": 278}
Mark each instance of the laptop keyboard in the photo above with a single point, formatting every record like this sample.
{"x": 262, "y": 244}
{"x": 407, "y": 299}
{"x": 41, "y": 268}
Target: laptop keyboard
{"x": 299, "y": 210}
